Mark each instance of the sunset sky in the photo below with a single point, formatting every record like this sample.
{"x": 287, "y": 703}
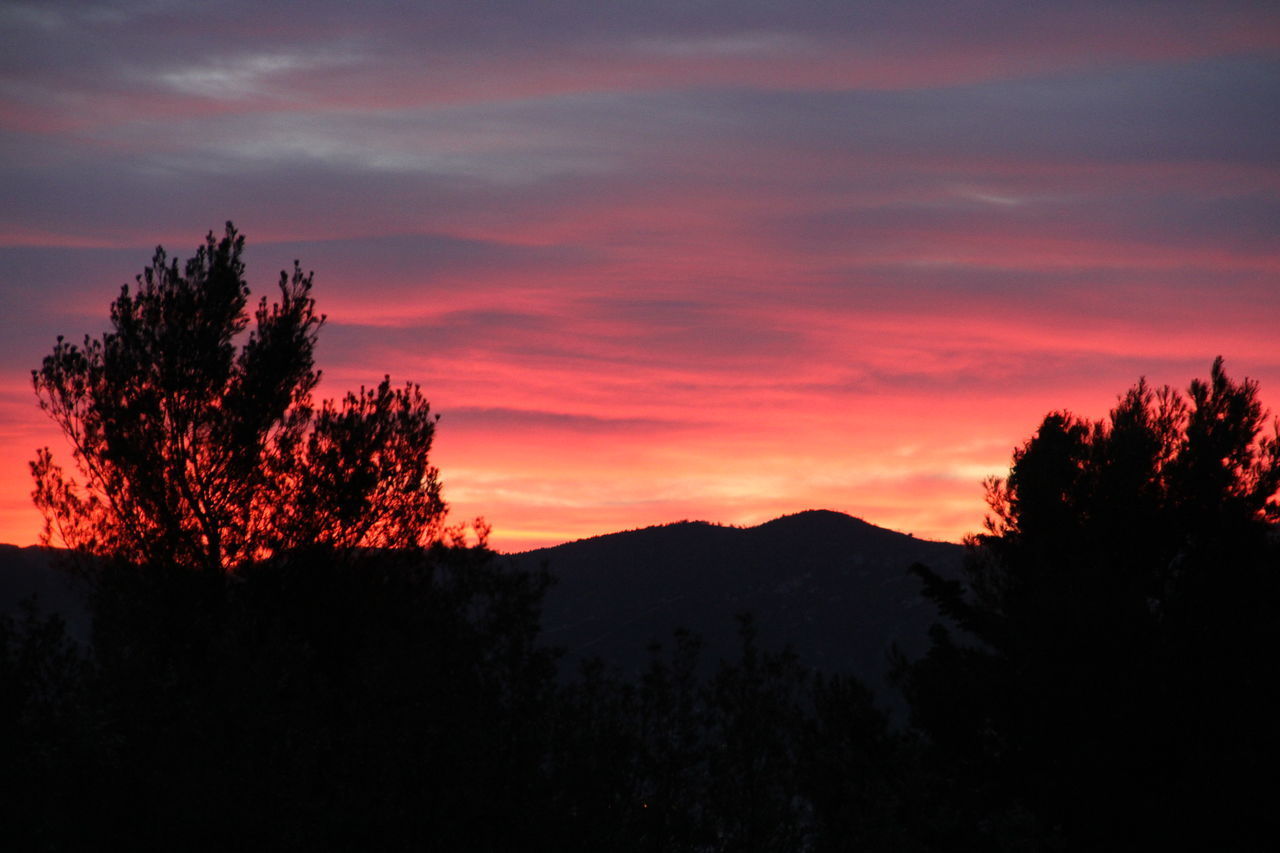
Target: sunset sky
{"x": 670, "y": 259}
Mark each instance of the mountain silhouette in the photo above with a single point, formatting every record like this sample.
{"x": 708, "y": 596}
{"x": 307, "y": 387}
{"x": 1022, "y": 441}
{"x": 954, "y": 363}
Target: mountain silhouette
{"x": 833, "y": 587}
{"x": 37, "y": 574}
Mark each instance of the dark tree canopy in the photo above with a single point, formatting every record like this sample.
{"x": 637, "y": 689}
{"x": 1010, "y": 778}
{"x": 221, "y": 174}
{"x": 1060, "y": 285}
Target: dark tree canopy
{"x": 197, "y": 448}
{"x": 1117, "y": 621}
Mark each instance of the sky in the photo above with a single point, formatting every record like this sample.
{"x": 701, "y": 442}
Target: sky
{"x": 674, "y": 259}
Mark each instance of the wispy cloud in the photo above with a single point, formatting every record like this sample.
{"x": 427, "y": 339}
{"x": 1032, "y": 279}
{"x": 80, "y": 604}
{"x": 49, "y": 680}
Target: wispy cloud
{"x": 653, "y": 261}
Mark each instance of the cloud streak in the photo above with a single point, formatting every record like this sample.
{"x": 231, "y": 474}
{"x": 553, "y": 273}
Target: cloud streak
{"x": 667, "y": 260}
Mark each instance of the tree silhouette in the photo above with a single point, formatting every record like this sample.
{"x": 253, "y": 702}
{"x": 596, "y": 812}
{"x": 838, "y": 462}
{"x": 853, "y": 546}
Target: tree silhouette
{"x": 1115, "y": 611}
{"x": 193, "y": 450}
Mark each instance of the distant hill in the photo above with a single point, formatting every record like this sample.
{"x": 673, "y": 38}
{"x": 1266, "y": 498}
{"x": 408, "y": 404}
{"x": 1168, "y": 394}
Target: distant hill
{"x": 36, "y": 573}
{"x": 833, "y": 586}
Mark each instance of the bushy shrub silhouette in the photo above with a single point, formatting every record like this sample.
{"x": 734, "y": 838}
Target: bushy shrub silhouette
{"x": 1112, "y": 646}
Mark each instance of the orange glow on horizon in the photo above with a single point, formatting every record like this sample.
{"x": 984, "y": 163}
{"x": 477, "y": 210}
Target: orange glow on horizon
{"x": 675, "y": 263}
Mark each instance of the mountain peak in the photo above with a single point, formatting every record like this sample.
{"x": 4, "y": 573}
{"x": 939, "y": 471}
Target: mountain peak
{"x": 810, "y": 522}
{"x": 817, "y": 517}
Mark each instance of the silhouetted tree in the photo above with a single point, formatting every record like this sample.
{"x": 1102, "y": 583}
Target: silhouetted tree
{"x": 761, "y": 753}
{"x": 863, "y": 781}
{"x": 1119, "y": 624}
{"x": 196, "y": 451}
{"x": 756, "y": 713}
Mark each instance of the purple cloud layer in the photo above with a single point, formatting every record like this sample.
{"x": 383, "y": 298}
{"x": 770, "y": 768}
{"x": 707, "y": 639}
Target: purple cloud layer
{"x": 661, "y": 260}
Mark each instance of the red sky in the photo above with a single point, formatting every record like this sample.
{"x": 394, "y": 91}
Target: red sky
{"x": 669, "y": 260}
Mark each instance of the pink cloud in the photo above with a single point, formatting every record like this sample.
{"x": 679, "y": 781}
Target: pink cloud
{"x": 724, "y": 264}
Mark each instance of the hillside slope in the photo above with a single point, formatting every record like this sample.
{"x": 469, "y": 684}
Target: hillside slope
{"x": 834, "y": 587}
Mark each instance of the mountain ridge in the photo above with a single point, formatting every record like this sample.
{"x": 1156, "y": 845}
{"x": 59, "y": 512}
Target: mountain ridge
{"x": 817, "y": 514}
{"x": 834, "y": 588}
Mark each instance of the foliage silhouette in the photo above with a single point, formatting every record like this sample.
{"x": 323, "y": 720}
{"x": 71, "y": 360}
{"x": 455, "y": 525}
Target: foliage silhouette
{"x": 318, "y": 701}
{"x": 197, "y": 452}
{"x": 1115, "y": 613}
{"x": 761, "y": 754}
{"x": 398, "y": 700}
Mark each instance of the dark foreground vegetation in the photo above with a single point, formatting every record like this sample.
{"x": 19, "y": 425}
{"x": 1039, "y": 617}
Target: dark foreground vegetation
{"x": 289, "y": 651}
{"x": 401, "y": 701}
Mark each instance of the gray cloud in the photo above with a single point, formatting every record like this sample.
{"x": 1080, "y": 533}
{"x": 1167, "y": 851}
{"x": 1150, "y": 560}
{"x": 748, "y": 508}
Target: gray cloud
{"x": 503, "y": 419}
{"x": 732, "y": 201}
